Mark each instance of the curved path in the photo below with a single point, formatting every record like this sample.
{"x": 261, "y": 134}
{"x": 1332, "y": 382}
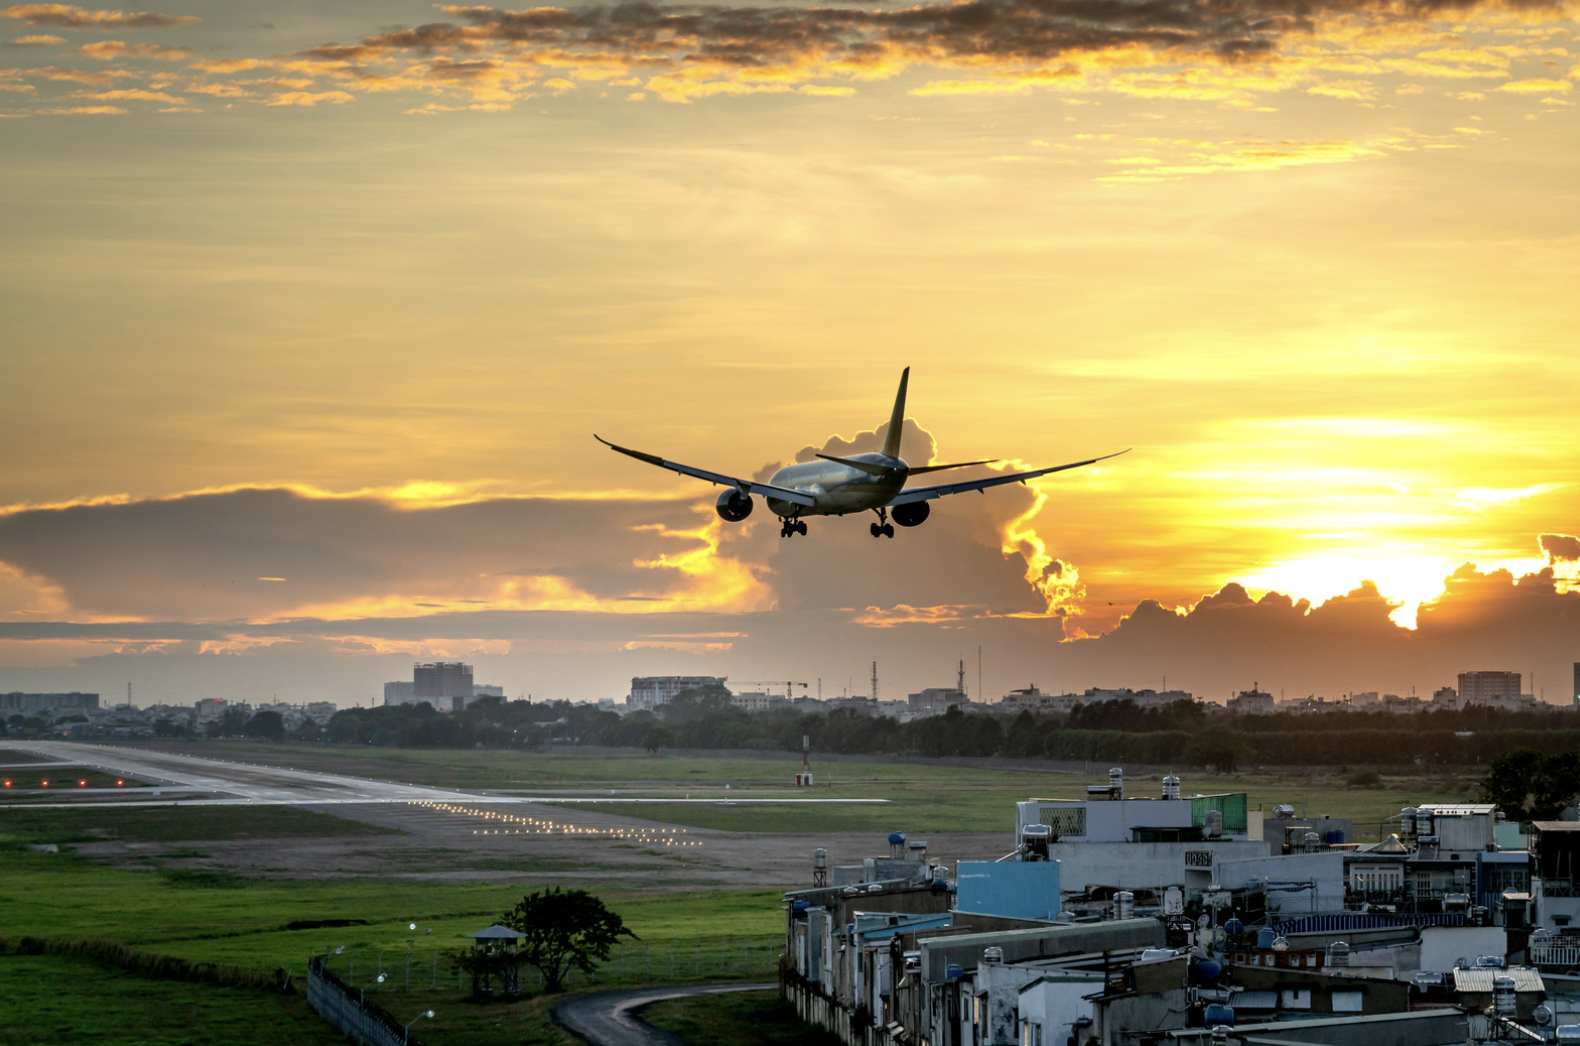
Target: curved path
{"x": 610, "y": 1018}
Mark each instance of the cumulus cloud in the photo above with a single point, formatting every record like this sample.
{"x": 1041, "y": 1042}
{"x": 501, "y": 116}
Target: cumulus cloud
{"x": 1560, "y": 547}
{"x": 66, "y": 16}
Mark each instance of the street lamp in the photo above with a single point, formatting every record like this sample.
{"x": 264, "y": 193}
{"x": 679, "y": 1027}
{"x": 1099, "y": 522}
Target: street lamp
{"x": 414, "y": 1020}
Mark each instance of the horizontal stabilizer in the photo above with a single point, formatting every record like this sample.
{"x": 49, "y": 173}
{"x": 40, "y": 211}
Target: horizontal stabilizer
{"x": 939, "y": 468}
{"x": 865, "y": 466}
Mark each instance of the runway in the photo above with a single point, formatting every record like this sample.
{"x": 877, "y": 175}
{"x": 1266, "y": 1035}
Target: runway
{"x": 194, "y": 779}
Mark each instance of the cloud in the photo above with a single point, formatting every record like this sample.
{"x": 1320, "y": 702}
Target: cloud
{"x": 35, "y": 40}
{"x": 68, "y": 17}
{"x": 108, "y": 50}
{"x": 1560, "y": 547}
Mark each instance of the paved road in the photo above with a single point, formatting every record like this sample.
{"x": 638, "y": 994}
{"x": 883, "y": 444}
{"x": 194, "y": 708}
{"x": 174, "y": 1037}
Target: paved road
{"x": 610, "y": 1018}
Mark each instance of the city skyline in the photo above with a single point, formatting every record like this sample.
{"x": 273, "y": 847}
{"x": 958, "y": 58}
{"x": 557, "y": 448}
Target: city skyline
{"x": 312, "y": 315}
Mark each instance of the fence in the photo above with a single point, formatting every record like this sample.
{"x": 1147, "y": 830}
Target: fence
{"x": 365, "y": 1023}
{"x": 664, "y": 960}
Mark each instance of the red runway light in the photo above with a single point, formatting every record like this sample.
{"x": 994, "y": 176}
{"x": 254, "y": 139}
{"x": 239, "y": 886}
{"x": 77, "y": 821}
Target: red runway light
{"x": 82, "y": 784}
{"x": 119, "y": 783}
{"x": 44, "y": 784}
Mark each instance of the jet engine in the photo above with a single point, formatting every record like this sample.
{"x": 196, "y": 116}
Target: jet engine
{"x": 734, "y": 506}
{"x": 911, "y": 515}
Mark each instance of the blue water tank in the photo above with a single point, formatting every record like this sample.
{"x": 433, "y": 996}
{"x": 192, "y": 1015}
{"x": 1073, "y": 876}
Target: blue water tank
{"x": 896, "y": 838}
{"x": 1335, "y": 837}
{"x": 1217, "y": 1013}
{"x": 1234, "y": 927}
{"x": 1265, "y": 937}
{"x": 799, "y": 906}
{"x": 953, "y": 972}
{"x": 1207, "y": 971}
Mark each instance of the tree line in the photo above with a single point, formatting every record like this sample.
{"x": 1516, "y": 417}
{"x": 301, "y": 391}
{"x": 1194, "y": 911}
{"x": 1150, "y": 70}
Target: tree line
{"x": 1183, "y": 734}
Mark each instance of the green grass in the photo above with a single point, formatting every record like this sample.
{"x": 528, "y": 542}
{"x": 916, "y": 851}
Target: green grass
{"x": 736, "y": 1019}
{"x": 53, "y": 999}
{"x": 218, "y": 917}
{"x": 168, "y": 824}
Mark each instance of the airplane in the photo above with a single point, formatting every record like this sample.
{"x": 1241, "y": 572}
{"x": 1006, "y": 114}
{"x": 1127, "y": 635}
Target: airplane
{"x": 837, "y": 486}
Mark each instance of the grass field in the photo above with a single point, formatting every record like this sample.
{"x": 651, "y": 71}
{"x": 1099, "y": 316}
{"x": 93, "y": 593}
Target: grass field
{"x": 166, "y": 824}
{"x": 736, "y": 1019}
{"x": 52, "y": 999}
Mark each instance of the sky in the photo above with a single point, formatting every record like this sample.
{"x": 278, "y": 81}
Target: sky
{"x": 310, "y": 312}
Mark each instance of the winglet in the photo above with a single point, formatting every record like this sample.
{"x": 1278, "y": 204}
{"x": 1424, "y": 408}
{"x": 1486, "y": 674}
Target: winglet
{"x": 651, "y": 459}
{"x": 891, "y": 443}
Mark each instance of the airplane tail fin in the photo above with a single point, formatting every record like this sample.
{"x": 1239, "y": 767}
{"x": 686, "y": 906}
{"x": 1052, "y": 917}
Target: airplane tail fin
{"x": 891, "y": 443}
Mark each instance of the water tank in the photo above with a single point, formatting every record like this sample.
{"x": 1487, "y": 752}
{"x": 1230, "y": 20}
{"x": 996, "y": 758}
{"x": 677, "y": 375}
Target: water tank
{"x": 953, "y": 972}
{"x": 993, "y": 956}
{"x": 1116, "y": 782}
{"x": 1265, "y": 937}
{"x": 1280, "y": 944}
{"x": 1218, "y": 1014}
{"x": 1124, "y": 904}
{"x": 1339, "y": 953}
{"x": 799, "y": 906}
{"x": 897, "y": 844}
{"x": 1503, "y": 996}
{"x": 1542, "y": 1015}
{"x": 1208, "y": 972}
{"x": 1313, "y": 842}
{"x": 1423, "y": 822}
{"x": 820, "y": 858}
{"x": 1334, "y": 837}
{"x": 1234, "y": 927}
{"x": 1213, "y": 828}
{"x": 1283, "y": 810}
{"x": 1148, "y": 954}
{"x": 1171, "y": 787}
{"x": 1568, "y": 1033}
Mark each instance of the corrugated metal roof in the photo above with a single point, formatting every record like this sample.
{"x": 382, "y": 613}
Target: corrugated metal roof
{"x": 1357, "y": 921}
{"x": 1477, "y": 980}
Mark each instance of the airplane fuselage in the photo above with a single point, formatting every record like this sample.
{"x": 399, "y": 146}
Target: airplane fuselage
{"x": 839, "y": 489}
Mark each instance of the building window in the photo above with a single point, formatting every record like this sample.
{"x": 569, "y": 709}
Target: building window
{"x": 1297, "y": 999}
{"x": 1347, "y": 1002}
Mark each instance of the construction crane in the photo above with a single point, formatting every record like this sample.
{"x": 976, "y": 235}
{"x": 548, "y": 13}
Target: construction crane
{"x": 788, "y": 684}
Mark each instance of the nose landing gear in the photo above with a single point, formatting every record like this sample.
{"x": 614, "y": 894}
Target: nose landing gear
{"x": 790, "y": 527}
{"x": 882, "y": 528}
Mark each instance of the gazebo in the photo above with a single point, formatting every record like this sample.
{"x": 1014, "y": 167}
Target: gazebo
{"x": 494, "y": 961}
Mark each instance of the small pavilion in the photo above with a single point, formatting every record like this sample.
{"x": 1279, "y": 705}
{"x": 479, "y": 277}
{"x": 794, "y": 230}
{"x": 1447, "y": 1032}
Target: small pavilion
{"x": 494, "y": 961}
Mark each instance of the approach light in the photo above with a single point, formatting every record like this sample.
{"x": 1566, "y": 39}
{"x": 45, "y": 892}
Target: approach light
{"x": 82, "y": 784}
{"x": 43, "y": 784}
{"x": 119, "y": 783}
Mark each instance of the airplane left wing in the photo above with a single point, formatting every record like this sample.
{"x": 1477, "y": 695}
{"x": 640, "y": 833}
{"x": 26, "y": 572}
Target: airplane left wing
{"x": 914, "y": 494}
{"x": 747, "y": 486}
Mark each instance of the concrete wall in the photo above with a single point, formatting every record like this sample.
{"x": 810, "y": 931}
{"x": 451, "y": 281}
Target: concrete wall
{"x": 1326, "y": 868}
{"x": 1146, "y": 866}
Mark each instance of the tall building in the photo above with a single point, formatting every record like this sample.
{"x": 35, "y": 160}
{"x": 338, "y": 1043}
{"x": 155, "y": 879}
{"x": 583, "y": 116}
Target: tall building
{"x": 446, "y": 685}
{"x": 1488, "y": 688}
{"x": 400, "y": 692}
{"x": 18, "y": 702}
{"x": 648, "y": 692}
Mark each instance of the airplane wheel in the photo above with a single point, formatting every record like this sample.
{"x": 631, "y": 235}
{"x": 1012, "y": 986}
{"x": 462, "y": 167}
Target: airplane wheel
{"x": 875, "y": 530}
{"x": 888, "y": 530}
{"x": 801, "y": 528}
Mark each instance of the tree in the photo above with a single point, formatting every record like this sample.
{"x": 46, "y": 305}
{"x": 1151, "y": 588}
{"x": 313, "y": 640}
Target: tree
{"x": 268, "y": 725}
{"x": 1216, "y": 747}
{"x": 1528, "y": 786}
{"x": 564, "y": 929}
{"x": 657, "y": 737}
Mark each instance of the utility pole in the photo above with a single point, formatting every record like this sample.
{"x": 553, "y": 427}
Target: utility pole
{"x": 875, "y": 681}
{"x": 960, "y": 678}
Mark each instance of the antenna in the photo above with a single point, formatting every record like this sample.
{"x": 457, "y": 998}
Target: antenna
{"x": 875, "y": 681}
{"x": 981, "y": 696}
{"x": 960, "y": 684}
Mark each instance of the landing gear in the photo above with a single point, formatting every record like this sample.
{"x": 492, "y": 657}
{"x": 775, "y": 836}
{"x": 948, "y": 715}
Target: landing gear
{"x": 791, "y": 527}
{"x": 882, "y": 528}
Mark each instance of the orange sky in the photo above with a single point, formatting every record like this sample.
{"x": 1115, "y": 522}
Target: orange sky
{"x": 389, "y": 267}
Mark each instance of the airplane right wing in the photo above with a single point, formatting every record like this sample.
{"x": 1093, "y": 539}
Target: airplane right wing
{"x": 746, "y": 486}
{"x": 914, "y": 494}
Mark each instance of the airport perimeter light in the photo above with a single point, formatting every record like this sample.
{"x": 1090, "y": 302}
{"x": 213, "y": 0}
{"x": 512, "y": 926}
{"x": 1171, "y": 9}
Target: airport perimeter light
{"x": 414, "y": 1020}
